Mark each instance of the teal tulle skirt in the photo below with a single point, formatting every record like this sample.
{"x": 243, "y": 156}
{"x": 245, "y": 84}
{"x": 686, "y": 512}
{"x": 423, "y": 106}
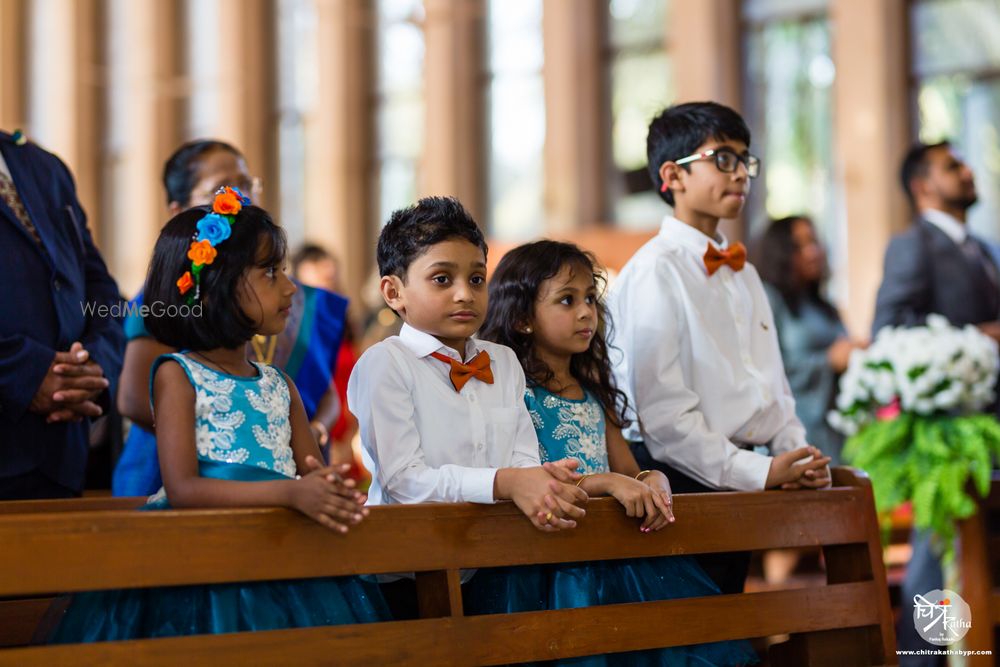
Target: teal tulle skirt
{"x": 573, "y": 585}
{"x": 217, "y": 608}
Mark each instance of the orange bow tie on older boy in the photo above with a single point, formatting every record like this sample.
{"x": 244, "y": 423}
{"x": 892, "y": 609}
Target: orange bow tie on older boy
{"x": 735, "y": 257}
{"x": 460, "y": 373}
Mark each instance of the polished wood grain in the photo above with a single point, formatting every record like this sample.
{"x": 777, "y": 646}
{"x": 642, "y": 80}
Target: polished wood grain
{"x": 91, "y": 547}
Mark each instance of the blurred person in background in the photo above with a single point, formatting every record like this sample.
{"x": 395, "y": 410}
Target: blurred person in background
{"x": 312, "y": 265}
{"x": 815, "y": 347}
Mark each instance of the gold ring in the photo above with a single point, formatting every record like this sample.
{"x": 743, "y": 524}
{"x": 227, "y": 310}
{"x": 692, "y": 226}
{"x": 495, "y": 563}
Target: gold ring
{"x": 548, "y": 517}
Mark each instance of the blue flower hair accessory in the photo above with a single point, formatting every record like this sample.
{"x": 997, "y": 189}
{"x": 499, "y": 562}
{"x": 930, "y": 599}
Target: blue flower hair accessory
{"x": 213, "y": 229}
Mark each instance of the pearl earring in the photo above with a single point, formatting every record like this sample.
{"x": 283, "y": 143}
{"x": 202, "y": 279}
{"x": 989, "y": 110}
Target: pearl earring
{"x": 527, "y": 330}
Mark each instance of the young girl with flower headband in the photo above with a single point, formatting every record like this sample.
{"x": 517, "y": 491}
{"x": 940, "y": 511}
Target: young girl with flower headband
{"x": 544, "y": 303}
{"x": 230, "y": 432}
{"x": 306, "y": 350}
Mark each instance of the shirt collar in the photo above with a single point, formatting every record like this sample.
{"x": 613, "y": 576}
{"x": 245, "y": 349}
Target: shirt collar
{"x": 954, "y": 228}
{"x": 680, "y": 233}
{"x": 422, "y": 344}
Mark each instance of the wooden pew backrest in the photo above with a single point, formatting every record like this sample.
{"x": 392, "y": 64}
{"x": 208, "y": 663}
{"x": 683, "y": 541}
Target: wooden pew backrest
{"x": 848, "y": 620}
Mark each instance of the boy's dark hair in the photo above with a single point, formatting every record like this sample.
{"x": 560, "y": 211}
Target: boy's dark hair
{"x": 774, "y": 257}
{"x": 412, "y": 230}
{"x": 915, "y": 165}
{"x": 310, "y": 252}
{"x": 513, "y": 292}
{"x": 180, "y": 172}
{"x": 255, "y": 242}
{"x": 679, "y": 130}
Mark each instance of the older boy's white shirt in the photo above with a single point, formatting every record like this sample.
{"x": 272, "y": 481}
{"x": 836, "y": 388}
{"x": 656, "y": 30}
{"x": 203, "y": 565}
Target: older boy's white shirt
{"x": 700, "y": 363}
{"x": 425, "y": 442}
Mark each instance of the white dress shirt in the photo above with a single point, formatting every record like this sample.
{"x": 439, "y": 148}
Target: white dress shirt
{"x": 953, "y": 228}
{"x": 699, "y": 361}
{"x": 425, "y": 442}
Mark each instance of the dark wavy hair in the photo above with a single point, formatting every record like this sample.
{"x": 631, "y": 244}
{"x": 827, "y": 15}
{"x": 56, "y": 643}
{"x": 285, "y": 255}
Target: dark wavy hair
{"x": 513, "y": 292}
{"x": 255, "y": 242}
{"x": 774, "y": 259}
{"x": 412, "y": 230}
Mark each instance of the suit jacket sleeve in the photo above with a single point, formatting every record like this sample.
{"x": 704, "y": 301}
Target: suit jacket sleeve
{"x": 905, "y": 294}
{"x": 23, "y": 365}
{"x": 103, "y": 337}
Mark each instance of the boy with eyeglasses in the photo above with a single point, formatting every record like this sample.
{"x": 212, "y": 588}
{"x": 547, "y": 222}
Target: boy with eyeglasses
{"x": 699, "y": 357}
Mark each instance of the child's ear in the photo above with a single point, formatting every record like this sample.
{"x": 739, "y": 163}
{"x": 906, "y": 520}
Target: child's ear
{"x": 670, "y": 175}
{"x": 391, "y": 288}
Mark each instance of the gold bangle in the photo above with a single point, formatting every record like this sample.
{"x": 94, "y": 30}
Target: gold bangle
{"x": 580, "y": 481}
{"x": 641, "y": 473}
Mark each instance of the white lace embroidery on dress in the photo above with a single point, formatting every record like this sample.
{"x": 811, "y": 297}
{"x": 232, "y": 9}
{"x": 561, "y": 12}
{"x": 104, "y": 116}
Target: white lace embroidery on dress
{"x": 579, "y": 428}
{"x": 277, "y": 438}
{"x": 215, "y": 420}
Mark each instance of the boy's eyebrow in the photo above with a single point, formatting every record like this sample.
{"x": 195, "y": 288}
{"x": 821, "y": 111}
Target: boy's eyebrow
{"x": 454, "y": 265}
{"x": 745, "y": 151}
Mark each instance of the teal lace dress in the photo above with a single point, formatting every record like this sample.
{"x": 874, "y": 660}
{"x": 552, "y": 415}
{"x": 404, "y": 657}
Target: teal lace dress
{"x": 242, "y": 433}
{"x": 569, "y": 428}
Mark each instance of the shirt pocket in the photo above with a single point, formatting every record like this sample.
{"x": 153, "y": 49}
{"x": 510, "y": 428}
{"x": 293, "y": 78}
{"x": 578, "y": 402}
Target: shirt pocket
{"x": 501, "y": 430}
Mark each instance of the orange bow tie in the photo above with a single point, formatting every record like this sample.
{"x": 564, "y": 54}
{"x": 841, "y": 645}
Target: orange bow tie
{"x": 460, "y": 373}
{"x": 735, "y": 257}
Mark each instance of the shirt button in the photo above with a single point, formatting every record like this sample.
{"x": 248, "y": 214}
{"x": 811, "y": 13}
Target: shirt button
{"x": 472, "y": 398}
{"x": 749, "y": 434}
{"x": 57, "y": 284}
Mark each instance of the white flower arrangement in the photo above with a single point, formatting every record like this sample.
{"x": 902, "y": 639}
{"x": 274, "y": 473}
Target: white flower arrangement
{"x": 912, "y": 405}
{"x": 930, "y": 369}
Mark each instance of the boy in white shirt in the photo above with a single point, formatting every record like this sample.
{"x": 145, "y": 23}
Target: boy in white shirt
{"x": 441, "y": 414}
{"x": 699, "y": 358}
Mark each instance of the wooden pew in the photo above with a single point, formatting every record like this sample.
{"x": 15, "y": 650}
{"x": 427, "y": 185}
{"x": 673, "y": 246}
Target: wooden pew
{"x": 845, "y": 622}
{"x": 979, "y": 568}
{"x": 19, "y": 618}
{"x": 75, "y": 505}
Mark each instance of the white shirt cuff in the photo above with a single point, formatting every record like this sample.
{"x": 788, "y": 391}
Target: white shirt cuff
{"x": 747, "y": 471}
{"x": 790, "y": 438}
{"x": 477, "y": 485}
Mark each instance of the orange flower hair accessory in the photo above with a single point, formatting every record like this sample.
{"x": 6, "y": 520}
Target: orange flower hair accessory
{"x": 213, "y": 229}
{"x": 185, "y": 282}
{"x": 228, "y": 201}
{"x": 202, "y": 252}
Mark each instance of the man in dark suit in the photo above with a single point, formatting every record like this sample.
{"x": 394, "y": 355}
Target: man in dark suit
{"x": 936, "y": 266}
{"x": 61, "y": 342}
